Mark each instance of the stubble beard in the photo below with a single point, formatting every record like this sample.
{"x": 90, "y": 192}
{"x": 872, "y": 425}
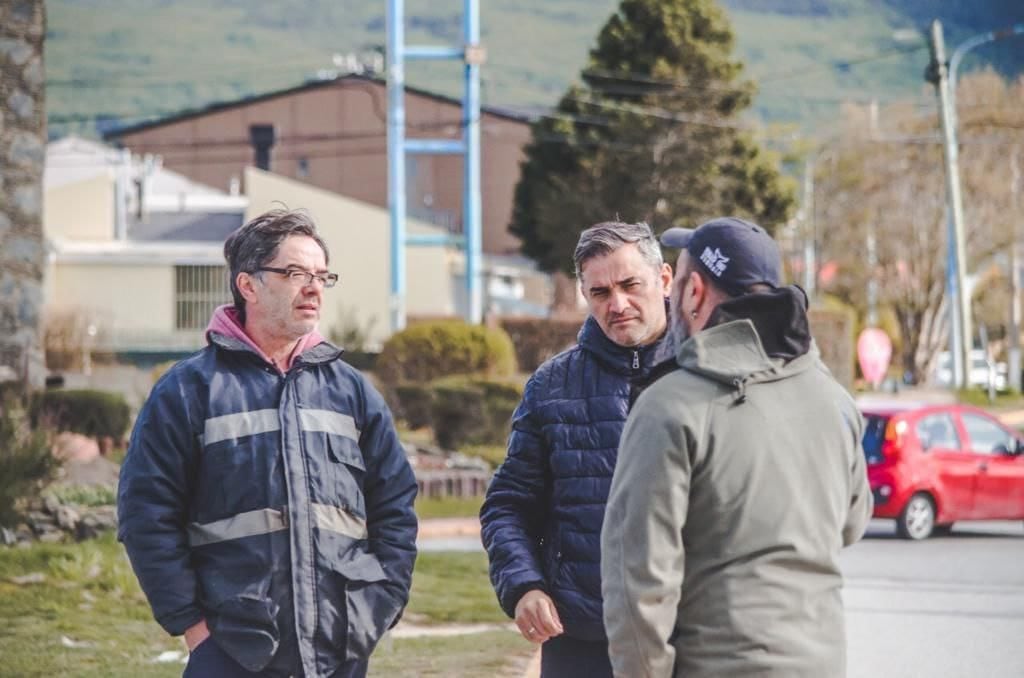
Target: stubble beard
{"x": 677, "y": 333}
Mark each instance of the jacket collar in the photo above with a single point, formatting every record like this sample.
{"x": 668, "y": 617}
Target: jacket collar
{"x": 757, "y": 337}
{"x": 225, "y": 331}
{"x": 618, "y": 359}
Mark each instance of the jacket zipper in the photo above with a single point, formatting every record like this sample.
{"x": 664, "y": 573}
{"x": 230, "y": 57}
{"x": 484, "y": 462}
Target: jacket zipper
{"x": 636, "y": 359}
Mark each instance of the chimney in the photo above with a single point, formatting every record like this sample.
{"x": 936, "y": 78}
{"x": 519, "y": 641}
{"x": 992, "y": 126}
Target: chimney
{"x": 262, "y": 138}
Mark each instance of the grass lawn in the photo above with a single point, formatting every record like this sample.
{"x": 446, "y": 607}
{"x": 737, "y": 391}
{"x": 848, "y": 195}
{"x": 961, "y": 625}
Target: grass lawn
{"x": 979, "y": 398}
{"x": 89, "y": 599}
{"x": 452, "y": 587}
{"x": 493, "y": 654}
{"x": 448, "y": 507}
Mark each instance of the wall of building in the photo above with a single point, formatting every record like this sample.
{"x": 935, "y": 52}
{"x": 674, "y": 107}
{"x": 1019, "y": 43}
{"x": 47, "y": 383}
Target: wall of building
{"x": 81, "y": 211}
{"x": 127, "y": 303}
{"x": 333, "y": 136}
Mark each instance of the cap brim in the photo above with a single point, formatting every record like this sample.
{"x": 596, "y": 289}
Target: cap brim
{"x": 677, "y": 237}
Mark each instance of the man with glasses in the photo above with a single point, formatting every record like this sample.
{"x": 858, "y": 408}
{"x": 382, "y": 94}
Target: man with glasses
{"x": 266, "y": 503}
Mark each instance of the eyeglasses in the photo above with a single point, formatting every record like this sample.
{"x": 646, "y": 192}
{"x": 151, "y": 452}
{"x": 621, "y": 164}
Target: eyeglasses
{"x": 297, "y": 276}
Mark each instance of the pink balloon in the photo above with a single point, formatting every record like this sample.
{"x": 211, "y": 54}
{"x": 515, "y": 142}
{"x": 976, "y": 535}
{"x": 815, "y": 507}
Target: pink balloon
{"x": 874, "y": 350}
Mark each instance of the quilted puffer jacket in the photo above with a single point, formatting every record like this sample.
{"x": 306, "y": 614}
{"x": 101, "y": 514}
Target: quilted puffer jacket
{"x": 541, "y": 520}
{"x": 279, "y": 507}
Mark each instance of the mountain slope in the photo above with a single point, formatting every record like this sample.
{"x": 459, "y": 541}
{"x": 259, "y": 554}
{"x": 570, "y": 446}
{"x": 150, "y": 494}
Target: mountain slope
{"x": 139, "y": 58}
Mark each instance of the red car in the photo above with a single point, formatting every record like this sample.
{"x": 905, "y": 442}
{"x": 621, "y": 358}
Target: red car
{"x": 933, "y": 465}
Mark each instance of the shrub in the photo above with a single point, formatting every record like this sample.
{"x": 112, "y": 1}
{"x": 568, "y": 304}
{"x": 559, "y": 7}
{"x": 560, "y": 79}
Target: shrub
{"x": 415, "y": 404}
{"x": 96, "y": 414}
{"x": 537, "y": 339}
{"x": 832, "y": 326}
{"x": 160, "y": 369}
{"x": 473, "y": 411}
{"x": 424, "y": 352}
{"x": 25, "y": 458}
{"x": 84, "y": 495}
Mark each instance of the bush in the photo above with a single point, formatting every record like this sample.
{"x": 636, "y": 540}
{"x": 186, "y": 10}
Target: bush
{"x": 415, "y": 403}
{"x": 160, "y": 369}
{"x": 537, "y": 339}
{"x": 430, "y": 350}
{"x": 832, "y": 326}
{"x": 473, "y": 411}
{"x": 96, "y": 414}
{"x": 25, "y": 458}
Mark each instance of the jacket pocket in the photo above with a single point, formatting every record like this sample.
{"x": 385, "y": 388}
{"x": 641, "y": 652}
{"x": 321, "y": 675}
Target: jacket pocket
{"x": 242, "y": 617}
{"x": 347, "y": 471}
{"x": 372, "y": 603}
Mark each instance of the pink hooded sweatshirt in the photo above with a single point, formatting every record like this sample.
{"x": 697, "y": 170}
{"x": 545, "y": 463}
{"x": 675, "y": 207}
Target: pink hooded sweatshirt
{"x": 225, "y": 322}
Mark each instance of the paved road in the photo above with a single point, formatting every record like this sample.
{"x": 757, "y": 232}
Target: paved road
{"x": 947, "y": 607}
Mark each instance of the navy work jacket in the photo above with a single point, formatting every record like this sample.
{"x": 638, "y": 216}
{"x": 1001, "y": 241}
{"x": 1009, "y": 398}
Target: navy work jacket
{"x": 277, "y": 507}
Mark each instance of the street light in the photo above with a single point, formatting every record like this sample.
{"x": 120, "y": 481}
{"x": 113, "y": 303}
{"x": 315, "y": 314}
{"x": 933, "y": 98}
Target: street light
{"x": 942, "y": 74}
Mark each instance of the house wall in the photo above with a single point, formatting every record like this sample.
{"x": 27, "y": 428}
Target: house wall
{"x": 333, "y": 136}
{"x": 127, "y": 303}
{"x": 81, "y": 211}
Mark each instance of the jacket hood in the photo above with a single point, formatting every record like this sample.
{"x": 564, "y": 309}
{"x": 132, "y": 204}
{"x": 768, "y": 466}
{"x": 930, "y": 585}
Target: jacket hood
{"x": 225, "y": 325}
{"x": 753, "y": 338}
{"x": 613, "y": 356}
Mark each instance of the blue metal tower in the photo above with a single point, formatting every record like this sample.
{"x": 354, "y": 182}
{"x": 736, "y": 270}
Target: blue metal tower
{"x": 468, "y": 146}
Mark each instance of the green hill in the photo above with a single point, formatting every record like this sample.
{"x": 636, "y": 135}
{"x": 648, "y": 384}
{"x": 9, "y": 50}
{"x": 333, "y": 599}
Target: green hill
{"x": 117, "y": 61}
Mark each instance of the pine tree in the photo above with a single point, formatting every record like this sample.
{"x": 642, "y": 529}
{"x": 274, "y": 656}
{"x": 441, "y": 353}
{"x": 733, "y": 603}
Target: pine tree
{"x": 651, "y": 134}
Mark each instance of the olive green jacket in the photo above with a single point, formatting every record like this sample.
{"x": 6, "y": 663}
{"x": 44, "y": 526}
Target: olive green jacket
{"x": 740, "y": 477}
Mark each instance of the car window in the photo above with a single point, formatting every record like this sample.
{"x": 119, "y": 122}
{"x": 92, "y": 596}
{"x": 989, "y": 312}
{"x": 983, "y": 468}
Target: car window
{"x": 937, "y": 430}
{"x": 986, "y": 436}
{"x": 874, "y": 434}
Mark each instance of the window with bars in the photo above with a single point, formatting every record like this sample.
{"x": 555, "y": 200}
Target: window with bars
{"x": 198, "y": 290}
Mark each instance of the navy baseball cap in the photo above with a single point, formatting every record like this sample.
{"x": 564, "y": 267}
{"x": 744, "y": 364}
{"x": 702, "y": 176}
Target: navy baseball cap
{"x": 734, "y": 252}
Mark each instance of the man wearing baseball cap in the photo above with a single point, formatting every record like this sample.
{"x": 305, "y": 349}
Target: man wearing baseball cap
{"x": 740, "y": 478}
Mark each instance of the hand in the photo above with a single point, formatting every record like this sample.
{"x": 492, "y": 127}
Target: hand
{"x": 196, "y": 634}
{"x": 537, "y": 617}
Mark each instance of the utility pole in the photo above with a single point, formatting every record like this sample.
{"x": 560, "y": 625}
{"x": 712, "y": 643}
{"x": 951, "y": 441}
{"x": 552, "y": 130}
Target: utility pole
{"x": 872, "y": 242}
{"x": 960, "y": 303}
{"x": 810, "y": 242}
{"x": 1015, "y": 272}
{"x": 468, "y": 146}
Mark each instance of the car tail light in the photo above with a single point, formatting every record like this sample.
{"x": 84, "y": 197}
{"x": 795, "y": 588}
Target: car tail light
{"x": 895, "y": 435}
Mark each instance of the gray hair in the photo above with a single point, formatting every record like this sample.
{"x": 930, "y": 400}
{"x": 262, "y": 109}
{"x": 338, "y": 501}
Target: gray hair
{"x": 256, "y": 243}
{"x": 604, "y": 238}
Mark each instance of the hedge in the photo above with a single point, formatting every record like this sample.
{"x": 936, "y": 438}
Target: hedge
{"x": 430, "y": 350}
{"x": 96, "y": 414}
{"x": 537, "y": 339}
{"x": 473, "y": 411}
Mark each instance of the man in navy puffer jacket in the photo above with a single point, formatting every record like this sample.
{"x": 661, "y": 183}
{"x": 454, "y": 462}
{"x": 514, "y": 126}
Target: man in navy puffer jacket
{"x": 541, "y": 520}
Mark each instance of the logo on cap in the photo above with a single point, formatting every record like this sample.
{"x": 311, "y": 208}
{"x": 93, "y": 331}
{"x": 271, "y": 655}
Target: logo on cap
{"x": 714, "y": 260}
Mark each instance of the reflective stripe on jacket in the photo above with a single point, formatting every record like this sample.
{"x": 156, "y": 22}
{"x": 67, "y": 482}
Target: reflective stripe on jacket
{"x": 277, "y": 507}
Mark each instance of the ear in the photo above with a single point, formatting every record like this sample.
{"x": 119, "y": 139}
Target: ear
{"x": 697, "y": 289}
{"x": 665, "y": 278}
{"x": 246, "y": 283}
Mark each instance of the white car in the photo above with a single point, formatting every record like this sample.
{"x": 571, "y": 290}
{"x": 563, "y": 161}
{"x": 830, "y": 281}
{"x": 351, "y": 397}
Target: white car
{"x": 982, "y": 369}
